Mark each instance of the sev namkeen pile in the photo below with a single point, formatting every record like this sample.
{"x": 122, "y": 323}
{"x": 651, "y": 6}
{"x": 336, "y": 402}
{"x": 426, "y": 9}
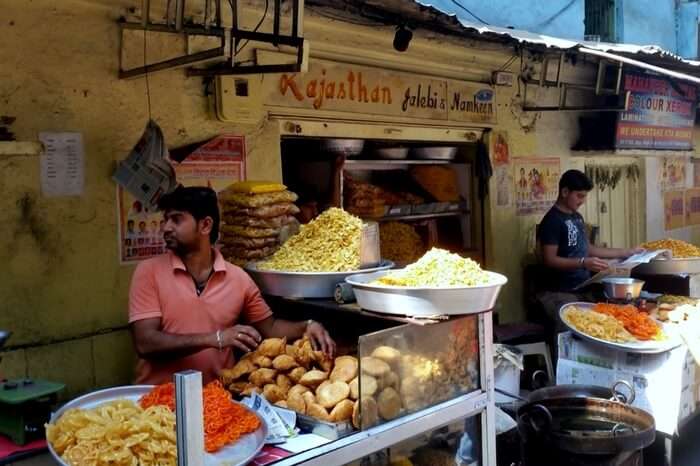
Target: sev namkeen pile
{"x": 437, "y": 268}
{"x": 680, "y": 249}
{"x": 328, "y": 243}
{"x": 400, "y": 242}
{"x": 122, "y": 432}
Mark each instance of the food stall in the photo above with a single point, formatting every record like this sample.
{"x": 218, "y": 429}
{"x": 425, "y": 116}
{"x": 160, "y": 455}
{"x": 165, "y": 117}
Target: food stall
{"x": 643, "y": 337}
{"x": 412, "y": 384}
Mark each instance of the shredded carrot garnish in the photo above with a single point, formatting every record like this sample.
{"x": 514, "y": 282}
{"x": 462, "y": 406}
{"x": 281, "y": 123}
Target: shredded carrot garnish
{"x": 224, "y": 421}
{"x": 635, "y": 321}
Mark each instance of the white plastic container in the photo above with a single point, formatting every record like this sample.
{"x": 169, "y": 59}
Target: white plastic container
{"x": 508, "y": 362}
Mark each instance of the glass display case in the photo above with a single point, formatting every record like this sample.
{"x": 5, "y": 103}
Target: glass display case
{"x": 457, "y": 443}
{"x": 410, "y": 368}
{"x": 426, "y": 398}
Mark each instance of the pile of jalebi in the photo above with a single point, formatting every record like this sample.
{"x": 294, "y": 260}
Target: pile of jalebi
{"x": 224, "y": 421}
{"x": 635, "y": 321}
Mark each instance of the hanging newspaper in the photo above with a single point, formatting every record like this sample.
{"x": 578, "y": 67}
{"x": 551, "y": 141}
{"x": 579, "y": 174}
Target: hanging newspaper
{"x": 147, "y": 173}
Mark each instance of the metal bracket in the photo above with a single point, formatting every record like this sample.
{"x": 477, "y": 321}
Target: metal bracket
{"x": 175, "y": 24}
{"x": 230, "y": 67}
{"x": 598, "y": 89}
{"x": 175, "y": 18}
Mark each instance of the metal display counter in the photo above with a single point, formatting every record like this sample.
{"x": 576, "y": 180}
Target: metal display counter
{"x": 457, "y": 423}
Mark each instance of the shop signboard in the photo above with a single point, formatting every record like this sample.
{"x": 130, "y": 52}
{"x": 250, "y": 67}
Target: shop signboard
{"x": 341, "y": 87}
{"x": 660, "y": 115}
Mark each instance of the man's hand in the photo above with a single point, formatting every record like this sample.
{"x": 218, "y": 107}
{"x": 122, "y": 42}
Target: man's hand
{"x": 243, "y": 337}
{"x": 320, "y": 339}
{"x": 594, "y": 264}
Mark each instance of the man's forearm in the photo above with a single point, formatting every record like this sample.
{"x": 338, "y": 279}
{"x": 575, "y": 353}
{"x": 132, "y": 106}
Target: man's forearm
{"x": 158, "y": 344}
{"x": 279, "y": 328}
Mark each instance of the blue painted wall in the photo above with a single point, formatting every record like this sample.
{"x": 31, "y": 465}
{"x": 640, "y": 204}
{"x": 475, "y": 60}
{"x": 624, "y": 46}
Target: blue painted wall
{"x": 689, "y": 15}
{"x": 670, "y": 24}
{"x": 649, "y": 22}
{"x": 559, "y": 18}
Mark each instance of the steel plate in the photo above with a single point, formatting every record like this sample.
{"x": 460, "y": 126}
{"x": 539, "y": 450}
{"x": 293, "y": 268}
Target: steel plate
{"x": 669, "y": 267}
{"x": 424, "y": 302}
{"x": 303, "y": 284}
{"x": 238, "y": 454}
{"x": 672, "y": 341}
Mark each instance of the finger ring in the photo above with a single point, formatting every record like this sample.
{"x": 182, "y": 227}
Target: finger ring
{"x": 239, "y": 335}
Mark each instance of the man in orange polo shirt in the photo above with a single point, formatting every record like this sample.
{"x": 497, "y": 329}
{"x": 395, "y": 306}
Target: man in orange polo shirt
{"x": 189, "y": 307}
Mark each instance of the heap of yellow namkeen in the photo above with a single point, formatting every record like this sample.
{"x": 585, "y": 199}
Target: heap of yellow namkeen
{"x": 680, "y": 249}
{"x": 437, "y": 269}
{"x": 329, "y": 243}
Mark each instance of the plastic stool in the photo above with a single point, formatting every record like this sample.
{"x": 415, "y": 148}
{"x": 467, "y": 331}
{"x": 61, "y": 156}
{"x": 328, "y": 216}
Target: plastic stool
{"x": 539, "y": 348}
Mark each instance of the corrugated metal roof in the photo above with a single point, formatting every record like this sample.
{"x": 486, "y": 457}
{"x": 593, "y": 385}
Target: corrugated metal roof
{"x": 448, "y": 8}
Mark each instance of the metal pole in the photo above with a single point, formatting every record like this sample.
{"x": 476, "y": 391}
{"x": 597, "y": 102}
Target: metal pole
{"x": 189, "y": 418}
{"x": 640, "y": 64}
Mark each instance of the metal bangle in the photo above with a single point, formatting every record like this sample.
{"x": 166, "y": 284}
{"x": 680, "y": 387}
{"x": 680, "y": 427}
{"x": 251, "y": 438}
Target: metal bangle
{"x": 218, "y": 340}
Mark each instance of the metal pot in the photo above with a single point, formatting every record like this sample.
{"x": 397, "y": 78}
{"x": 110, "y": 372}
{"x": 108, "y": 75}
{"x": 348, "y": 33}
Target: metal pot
{"x": 585, "y": 426}
{"x": 622, "y": 288}
{"x": 435, "y": 153}
{"x": 4, "y": 335}
{"x": 346, "y": 147}
{"x": 585, "y": 391}
{"x": 392, "y": 153}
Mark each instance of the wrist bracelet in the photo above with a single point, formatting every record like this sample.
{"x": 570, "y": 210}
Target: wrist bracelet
{"x": 582, "y": 261}
{"x": 308, "y": 324}
{"x": 218, "y": 339}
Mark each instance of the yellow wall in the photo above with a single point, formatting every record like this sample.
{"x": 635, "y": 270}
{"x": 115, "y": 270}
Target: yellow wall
{"x": 64, "y": 293}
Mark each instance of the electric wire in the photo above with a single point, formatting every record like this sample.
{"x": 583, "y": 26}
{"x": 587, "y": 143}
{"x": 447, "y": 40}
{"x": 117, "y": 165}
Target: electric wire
{"x": 255, "y": 29}
{"x": 145, "y": 65}
{"x": 469, "y": 11}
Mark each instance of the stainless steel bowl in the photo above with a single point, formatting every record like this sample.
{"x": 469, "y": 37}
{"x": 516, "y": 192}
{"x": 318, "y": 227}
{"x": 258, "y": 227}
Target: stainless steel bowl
{"x": 346, "y": 147}
{"x": 303, "y": 284}
{"x": 424, "y": 302}
{"x": 434, "y": 153}
{"x": 392, "y": 153}
{"x": 622, "y": 288}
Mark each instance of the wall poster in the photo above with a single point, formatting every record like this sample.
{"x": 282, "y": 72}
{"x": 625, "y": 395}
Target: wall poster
{"x": 674, "y": 210}
{"x": 500, "y": 156}
{"x": 692, "y": 207}
{"x": 696, "y": 173}
{"x": 216, "y": 164}
{"x": 672, "y": 173}
{"x": 536, "y": 183}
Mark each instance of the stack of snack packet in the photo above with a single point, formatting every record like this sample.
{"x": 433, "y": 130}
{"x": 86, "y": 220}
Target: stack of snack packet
{"x": 256, "y": 215}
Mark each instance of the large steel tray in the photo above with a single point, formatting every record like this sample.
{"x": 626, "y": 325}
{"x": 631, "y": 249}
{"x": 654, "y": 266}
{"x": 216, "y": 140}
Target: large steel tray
{"x": 303, "y": 284}
{"x": 671, "y": 341}
{"x": 238, "y": 454}
{"x": 424, "y": 302}
{"x": 669, "y": 266}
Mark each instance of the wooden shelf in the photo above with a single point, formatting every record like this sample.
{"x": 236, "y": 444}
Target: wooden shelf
{"x": 356, "y": 164}
{"x": 410, "y": 217}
